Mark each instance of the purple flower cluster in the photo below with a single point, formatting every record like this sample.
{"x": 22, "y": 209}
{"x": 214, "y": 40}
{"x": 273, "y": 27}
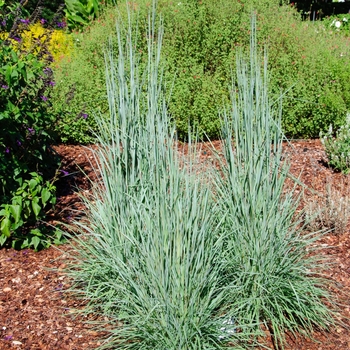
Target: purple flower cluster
{"x": 60, "y": 24}
{"x": 48, "y": 71}
{"x": 25, "y": 21}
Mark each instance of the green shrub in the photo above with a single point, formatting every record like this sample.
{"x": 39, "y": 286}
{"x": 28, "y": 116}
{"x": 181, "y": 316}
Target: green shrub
{"x": 149, "y": 257}
{"x": 80, "y": 87}
{"x": 28, "y": 165}
{"x": 196, "y": 60}
{"x": 311, "y": 66}
{"x": 338, "y": 148}
{"x": 308, "y": 64}
{"x": 267, "y": 254}
{"x": 29, "y": 204}
{"x": 337, "y": 24}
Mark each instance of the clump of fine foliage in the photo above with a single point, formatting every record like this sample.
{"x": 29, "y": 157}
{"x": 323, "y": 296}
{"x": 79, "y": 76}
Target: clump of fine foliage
{"x": 172, "y": 260}
{"x": 268, "y": 255}
{"x": 150, "y": 257}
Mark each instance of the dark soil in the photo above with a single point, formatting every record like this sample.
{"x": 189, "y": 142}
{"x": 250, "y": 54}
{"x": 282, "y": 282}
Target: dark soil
{"x": 36, "y": 314}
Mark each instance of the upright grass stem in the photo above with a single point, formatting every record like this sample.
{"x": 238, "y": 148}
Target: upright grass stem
{"x": 150, "y": 257}
{"x": 266, "y": 252}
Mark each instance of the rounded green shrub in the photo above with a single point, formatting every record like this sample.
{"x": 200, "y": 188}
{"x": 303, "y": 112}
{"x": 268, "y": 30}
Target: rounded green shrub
{"x": 308, "y": 66}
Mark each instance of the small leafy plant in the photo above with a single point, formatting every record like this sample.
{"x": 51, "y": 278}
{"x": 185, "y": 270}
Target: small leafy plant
{"x": 328, "y": 212}
{"x": 28, "y": 164}
{"x": 338, "y": 147}
{"x": 29, "y": 205}
{"x": 80, "y": 13}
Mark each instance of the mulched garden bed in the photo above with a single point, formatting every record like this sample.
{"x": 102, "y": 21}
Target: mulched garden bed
{"x": 36, "y": 314}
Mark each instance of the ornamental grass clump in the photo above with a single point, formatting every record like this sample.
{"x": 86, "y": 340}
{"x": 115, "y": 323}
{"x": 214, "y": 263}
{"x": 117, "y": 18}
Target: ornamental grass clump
{"x": 276, "y": 266}
{"x": 149, "y": 256}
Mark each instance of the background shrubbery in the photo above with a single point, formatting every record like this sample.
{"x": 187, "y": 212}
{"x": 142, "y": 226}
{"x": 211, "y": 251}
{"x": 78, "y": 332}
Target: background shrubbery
{"x": 28, "y": 164}
{"x": 308, "y": 62}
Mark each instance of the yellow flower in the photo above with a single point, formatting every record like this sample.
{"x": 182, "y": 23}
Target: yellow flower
{"x": 59, "y": 43}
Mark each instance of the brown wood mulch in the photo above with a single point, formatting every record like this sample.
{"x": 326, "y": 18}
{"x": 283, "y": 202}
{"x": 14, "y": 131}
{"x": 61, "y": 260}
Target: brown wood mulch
{"x": 36, "y": 314}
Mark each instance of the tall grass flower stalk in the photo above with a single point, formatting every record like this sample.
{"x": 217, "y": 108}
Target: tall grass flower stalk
{"x": 149, "y": 256}
{"x": 268, "y": 256}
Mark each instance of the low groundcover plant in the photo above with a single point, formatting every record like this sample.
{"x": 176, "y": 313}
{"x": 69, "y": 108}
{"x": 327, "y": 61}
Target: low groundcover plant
{"x": 170, "y": 261}
{"x": 338, "y": 147}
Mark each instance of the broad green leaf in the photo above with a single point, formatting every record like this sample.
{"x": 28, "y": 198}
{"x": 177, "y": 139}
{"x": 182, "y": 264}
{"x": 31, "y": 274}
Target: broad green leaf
{"x": 8, "y": 74}
{"x": 32, "y": 184}
{"x": 24, "y": 74}
{"x": 17, "y": 225}
{"x": 76, "y": 18}
{"x": 26, "y": 209}
{"x": 17, "y": 200}
{"x": 45, "y": 195}
{"x": 3, "y": 239}
{"x": 53, "y": 200}
{"x": 35, "y": 242}
{"x": 14, "y": 56}
{"x": 16, "y": 211}
{"x": 30, "y": 74}
{"x": 25, "y": 244}
{"x": 92, "y": 7}
{"x": 14, "y": 73}
{"x": 36, "y": 232}
{"x": 5, "y": 227}
{"x": 36, "y": 207}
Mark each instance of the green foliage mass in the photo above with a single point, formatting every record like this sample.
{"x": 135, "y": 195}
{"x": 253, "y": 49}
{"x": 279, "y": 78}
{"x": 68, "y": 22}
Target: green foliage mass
{"x": 28, "y": 164}
{"x": 311, "y": 65}
{"x": 308, "y": 65}
{"x": 24, "y": 144}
